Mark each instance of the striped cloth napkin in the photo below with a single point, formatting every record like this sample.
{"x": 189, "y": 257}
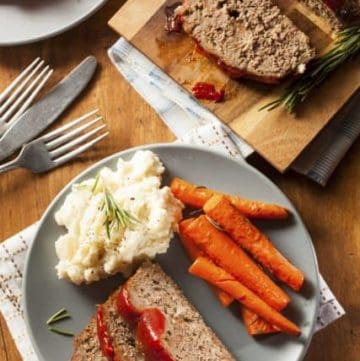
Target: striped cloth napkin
{"x": 13, "y": 253}
{"x": 181, "y": 112}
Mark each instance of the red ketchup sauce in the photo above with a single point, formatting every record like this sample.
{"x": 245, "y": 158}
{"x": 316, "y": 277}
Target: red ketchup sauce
{"x": 125, "y": 307}
{"x": 173, "y": 20}
{"x": 207, "y": 91}
{"x": 234, "y": 72}
{"x": 150, "y": 328}
{"x": 103, "y": 335}
{"x": 150, "y": 325}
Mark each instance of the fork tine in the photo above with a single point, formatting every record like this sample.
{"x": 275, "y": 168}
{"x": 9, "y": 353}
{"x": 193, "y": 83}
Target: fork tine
{"x": 45, "y": 74}
{"x": 67, "y": 147}
{"x": 83, "y": 148}
{"x": 67, "y": 136}
{"x": 17, "y": 91}
{"x": 51, "y": 135}
{"x": 17, "y": 80}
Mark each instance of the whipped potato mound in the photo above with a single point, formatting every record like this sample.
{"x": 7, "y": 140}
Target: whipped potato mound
{"x": 115, "y": 220}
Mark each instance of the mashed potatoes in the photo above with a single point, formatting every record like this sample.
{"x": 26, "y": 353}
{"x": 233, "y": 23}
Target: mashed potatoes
{"x": 96, "y": 244}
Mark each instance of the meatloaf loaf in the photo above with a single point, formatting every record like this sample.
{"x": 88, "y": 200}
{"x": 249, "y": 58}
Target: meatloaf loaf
{"x": 185, "y": 336}
{"x": 249, "y": 38}
{"x": 337, "y": 13}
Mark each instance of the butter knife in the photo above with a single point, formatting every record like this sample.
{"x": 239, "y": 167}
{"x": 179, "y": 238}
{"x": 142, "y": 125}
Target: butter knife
{"x": 47, "y": 109}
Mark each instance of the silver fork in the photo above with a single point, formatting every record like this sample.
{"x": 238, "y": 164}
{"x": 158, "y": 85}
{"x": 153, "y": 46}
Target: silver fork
{"x": 17, "y": 97}
{"x": 59, "y": 146}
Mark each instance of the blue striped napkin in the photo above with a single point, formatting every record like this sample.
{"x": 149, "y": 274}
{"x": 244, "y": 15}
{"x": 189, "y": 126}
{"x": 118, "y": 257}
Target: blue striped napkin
{"x": 181, "y": 112}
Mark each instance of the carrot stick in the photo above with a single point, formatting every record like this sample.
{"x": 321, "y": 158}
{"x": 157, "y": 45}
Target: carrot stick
{"x": 196, "y": 197}
{"x": 246, "y": 235}
{"x": 207, "y": 270}
{"x": 190, "y": 247}
{"x": 194, "y": 252}
{"x": 226, "y": 253}
{"x": 255, "y": 325}
{"x": 225, "y": 299}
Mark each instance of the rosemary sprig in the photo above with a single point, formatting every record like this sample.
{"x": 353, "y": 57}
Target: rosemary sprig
{"x": 61, "y": 332}
{"x": 346, "y": 47}
{"x": 114, "y": 215}
{"x": 62, "y": 314}
{"x": 97, "y": 178}
{"x": 59, "y": 315}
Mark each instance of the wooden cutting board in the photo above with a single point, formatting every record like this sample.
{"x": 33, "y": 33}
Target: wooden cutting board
{"x": 277, "y": 136}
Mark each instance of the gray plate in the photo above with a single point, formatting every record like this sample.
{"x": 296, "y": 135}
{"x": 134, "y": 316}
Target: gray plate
{"x": 44, "y": 293}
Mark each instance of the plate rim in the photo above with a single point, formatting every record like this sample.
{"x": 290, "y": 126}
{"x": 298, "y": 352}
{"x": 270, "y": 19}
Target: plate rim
{"x": 242, "y": 163}
{"x": 53, "y": 33}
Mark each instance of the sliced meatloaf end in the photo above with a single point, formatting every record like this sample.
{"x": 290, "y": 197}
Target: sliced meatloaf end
{"x": 122, "y": 336}
{"x": 186, "y": 336}
{"x": 86, "y": 344}
{"x": 351, "y": 8}
{"x": 252, "y": 36}
{"x": 337, "y": 13}
{"x": 319, "y": 8}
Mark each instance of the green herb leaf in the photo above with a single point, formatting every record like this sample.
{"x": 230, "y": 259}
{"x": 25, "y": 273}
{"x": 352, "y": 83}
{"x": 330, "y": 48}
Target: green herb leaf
{"x": 97, "y": 178}
{"x": 60, "y": 318}
{"x": 115, "y": 216}
{"x": 61, "y": 332}
{"x": 56, "y": 315}
{"x": 346, "y": 47}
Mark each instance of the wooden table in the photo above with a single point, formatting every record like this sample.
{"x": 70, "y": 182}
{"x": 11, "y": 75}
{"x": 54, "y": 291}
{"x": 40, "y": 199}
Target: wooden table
{"x": 331, "y": 214}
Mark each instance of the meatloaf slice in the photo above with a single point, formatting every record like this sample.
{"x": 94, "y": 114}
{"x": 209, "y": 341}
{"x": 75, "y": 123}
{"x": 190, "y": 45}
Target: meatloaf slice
{"x": 336, "y": 12}
{"x": 319, "y": 8}
{"x": 251, "y": 36}
{"x": 122, "y": 335}
{"x": 87, "y": 346}
{"x": 186, "y": 336}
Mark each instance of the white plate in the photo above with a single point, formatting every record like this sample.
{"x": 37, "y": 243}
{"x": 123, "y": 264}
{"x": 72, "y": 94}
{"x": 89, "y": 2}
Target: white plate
{"x": 25, "y": 21}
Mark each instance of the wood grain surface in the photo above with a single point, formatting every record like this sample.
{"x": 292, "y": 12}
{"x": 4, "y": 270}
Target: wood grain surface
{"x": 277, "y": 135}
{"x": 331, "y": 214}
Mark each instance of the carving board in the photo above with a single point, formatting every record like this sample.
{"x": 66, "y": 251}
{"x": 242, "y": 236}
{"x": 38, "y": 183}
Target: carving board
{"x": 277, "y": 135}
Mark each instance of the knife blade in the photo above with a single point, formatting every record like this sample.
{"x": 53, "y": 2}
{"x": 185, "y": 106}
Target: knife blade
{"x": 47, "y": 109}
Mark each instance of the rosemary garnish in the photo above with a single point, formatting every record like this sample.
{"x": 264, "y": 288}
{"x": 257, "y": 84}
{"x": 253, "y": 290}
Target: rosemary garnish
{"x": 215, "y": 224}
{"x": 195, "y": 212}
{"x": 97, "y": 178}
{"x": 346, "y": 47}
{"x": 114, "y": 215}
{"x": 56, "y": 317}
{"x": 61, "y": 332}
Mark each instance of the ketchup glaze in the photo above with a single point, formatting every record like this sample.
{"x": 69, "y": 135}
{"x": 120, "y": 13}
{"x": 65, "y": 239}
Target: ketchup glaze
{"x": 150, "y": 326}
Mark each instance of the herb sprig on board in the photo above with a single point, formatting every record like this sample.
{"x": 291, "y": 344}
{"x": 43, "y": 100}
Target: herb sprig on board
{"x": 346, "y": 47}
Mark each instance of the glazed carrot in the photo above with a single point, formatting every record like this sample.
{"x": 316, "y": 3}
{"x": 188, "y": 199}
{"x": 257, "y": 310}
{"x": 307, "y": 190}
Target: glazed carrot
{"x": 207, "y": 270}
{"x": 255, "y": 325}
{"x": 190, "y": 247}
{"x": 196, "y": 197}
{"x": 225, "y": 252}
{"x": 194, "y": 252}
{"x": 225, "y": 299}
{"x": 246, "y": 235}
